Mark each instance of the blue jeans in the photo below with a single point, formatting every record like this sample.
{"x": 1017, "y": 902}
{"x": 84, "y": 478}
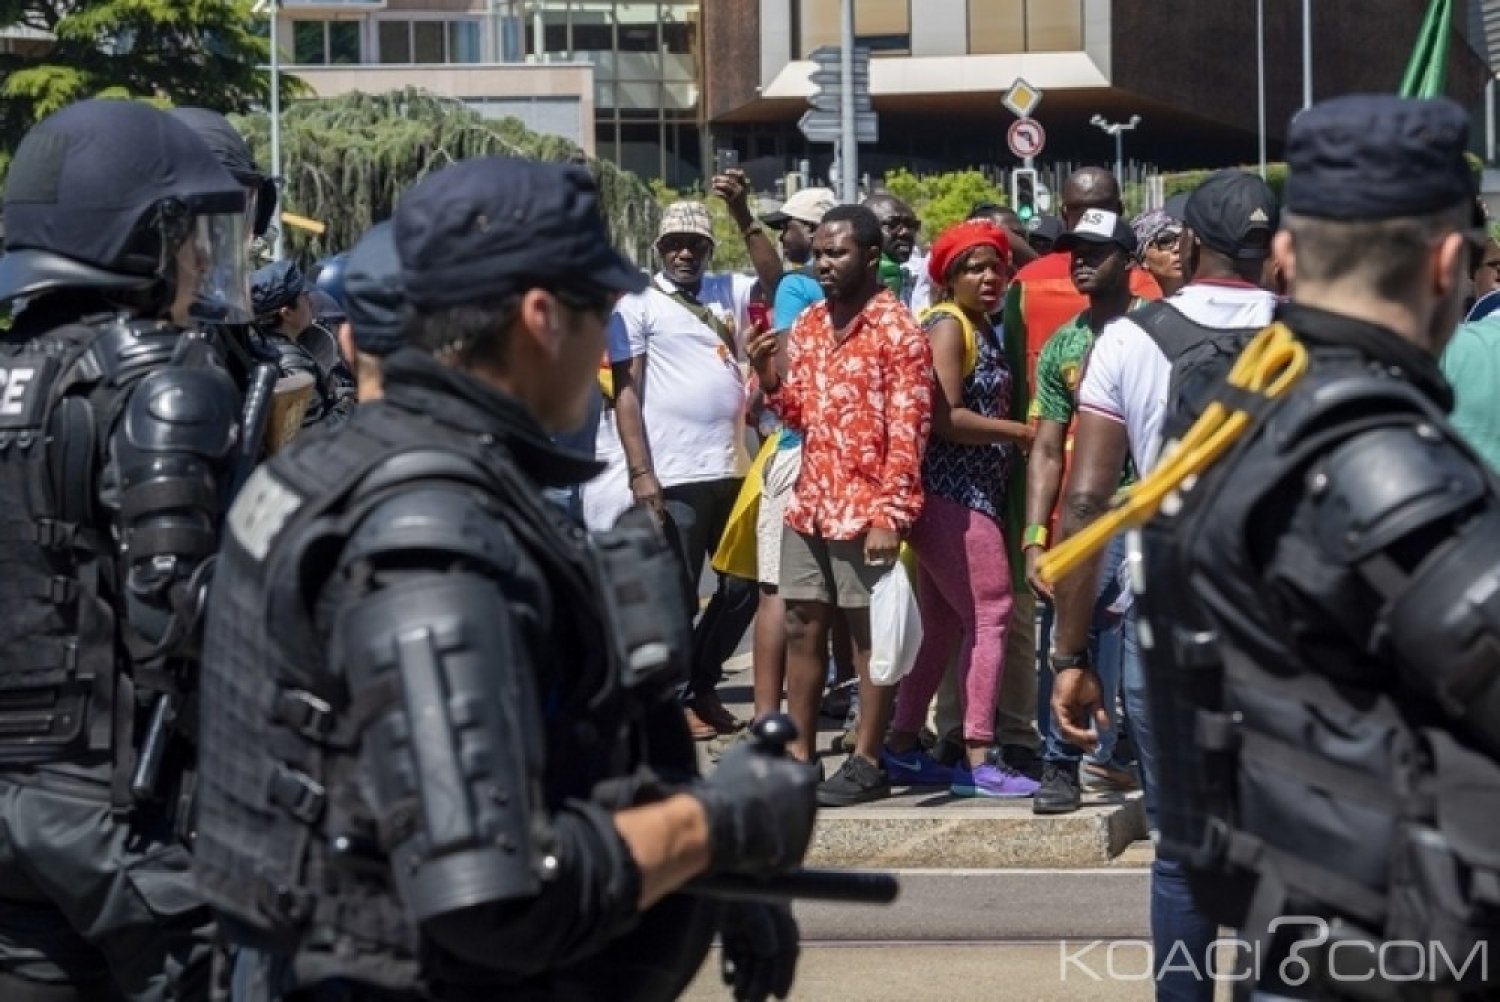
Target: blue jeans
{"x": 1108, "y": 653}
{"x": 1174, "y": 917}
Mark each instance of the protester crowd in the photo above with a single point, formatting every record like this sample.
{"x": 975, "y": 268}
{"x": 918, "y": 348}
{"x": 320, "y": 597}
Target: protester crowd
{"x": 894, "y": 401}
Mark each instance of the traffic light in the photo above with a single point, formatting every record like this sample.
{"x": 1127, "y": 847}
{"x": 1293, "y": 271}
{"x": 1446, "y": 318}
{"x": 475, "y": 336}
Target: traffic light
{"x": 1023, "y": 192}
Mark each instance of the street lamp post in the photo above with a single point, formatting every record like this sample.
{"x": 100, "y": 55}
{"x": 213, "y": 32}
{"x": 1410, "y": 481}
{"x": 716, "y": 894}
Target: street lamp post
{"x": 1118, "y": 130}
{"x": 1260, "y": 79}
{"x": 280, "y": 249}
{"x": 1307, "y": 59}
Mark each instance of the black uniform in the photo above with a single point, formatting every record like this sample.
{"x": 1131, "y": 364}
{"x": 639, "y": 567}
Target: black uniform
{"x": 1321, "y": 621}
{"x": 425, "y": 691}
{"x": 116, "y": 439}
{"x": 313, "y": 352}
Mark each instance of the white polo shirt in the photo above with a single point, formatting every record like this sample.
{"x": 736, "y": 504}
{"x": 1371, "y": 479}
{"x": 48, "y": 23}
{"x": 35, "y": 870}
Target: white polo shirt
{"x": 694, "y": 393}
{"x": 1127, "y": 377}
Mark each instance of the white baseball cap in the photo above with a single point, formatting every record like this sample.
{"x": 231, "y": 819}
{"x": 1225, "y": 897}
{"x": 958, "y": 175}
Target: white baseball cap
{"x": 808, "y": 206}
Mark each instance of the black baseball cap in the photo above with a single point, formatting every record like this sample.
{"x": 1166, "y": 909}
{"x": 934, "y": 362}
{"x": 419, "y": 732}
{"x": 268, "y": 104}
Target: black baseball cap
{"x": 1370, "y": 156}
{"x": 1099, "y": 226}
{"x": 1234, "y": 213}
{"x": 276, "y": 285}
{"x": 492, "y": 226}
{"x": 373, "y": 294}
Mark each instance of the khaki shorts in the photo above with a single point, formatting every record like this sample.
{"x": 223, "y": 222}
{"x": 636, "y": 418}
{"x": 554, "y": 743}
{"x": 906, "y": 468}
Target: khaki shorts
{"x": 831, "y": 571}
{"x": 779, "y": 479}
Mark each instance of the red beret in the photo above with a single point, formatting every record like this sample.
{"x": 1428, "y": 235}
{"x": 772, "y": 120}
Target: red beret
{"x": 957, "y": 240}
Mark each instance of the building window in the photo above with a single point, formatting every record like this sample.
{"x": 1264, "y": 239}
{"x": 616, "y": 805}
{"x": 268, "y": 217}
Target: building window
{"x": 324, "y": 43}
{"x": 1007, "y": 26}
{"x": 677, "y": 37}
{"x": 882, "y": 25}
{"x": 1054, "y": 25}
{"x": 428, "y": 42}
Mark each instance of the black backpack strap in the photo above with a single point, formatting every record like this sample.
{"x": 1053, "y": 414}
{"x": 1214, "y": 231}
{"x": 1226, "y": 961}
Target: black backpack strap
{"x": 1171, "y": 329}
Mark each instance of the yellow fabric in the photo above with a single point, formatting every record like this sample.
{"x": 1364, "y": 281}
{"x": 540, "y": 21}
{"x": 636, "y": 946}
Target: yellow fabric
{"x": 736, "y": 552}
{"x": 1269, "y": 366}
{"x": 971, "y": 336}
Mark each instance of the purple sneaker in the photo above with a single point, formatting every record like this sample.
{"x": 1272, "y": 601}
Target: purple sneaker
{"x": 915, "y": 768}
{"x": 991, "y": 781}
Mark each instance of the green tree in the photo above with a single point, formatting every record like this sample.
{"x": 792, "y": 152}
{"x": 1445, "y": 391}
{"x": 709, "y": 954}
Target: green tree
{"x": 940, "y": 200}
{"x": 347, "y": 160}
{"x": 187, "y": 52}
{"x": 729, "y": 245}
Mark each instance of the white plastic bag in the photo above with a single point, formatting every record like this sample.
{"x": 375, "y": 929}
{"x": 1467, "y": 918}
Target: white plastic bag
{"x": 895, "y": 626}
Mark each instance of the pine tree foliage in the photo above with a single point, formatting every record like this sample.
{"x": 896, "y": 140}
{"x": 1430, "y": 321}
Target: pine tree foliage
{"x": 185, "y": 52}
{"x": 346, "y": 161}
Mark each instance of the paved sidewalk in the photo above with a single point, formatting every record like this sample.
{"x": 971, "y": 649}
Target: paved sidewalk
{"x": 932, "y": 828}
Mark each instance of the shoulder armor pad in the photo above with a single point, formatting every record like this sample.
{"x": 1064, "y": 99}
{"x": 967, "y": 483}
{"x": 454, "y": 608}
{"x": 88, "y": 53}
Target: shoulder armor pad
{"x": 183, "y": 410}
{"x": 125, "y": 349}
{"x": 423, "y": 464}
{"x": 1328, "y": 399}
{"x": 1385, "y": 483}
{"x": 435, "y": 519}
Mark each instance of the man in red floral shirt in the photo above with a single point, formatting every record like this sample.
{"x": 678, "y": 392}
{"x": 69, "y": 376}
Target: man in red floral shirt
{"x": 859, "y": 389}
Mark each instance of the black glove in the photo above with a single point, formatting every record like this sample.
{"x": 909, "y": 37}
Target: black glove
{"x": 761, "y": 808}
{"x": 760, "y": 950}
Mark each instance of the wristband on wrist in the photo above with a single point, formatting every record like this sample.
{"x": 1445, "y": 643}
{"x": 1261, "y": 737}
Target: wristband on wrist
{"x": 637, "y": 474}
{"x": 751, "y": 230}
{"x": 1061, "y": 661}
{"x": 1036, "y": 535}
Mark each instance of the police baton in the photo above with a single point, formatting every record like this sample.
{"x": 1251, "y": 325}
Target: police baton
{"x": 851, "y": 887}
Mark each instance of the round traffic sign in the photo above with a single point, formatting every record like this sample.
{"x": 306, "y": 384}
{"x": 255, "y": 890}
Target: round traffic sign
{"x": 1026, "y": 137}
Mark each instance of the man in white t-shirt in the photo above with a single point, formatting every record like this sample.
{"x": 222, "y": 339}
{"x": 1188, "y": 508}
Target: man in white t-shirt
{"x": 675, "y": 352}
{"x": 1228, "y": 224}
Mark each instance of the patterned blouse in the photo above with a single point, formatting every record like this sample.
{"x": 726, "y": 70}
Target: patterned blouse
{"x": 976, "y": 476}
{"x": 864, "y": 408}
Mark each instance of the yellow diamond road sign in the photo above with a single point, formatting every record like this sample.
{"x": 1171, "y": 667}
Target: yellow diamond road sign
{"x": 1022, "y": 98}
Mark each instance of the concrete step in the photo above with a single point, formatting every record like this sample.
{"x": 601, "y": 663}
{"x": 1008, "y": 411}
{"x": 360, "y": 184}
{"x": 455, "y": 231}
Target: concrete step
{"x": 932, "y": 829}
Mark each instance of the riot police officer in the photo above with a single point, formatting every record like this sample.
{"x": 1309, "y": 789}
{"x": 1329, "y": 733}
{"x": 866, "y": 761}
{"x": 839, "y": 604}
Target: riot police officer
{"x": 441, "y": 754}
{"x": 288, "y": 330}
{"x": 1321, "y": 607}
{"x": 118, "y": 430}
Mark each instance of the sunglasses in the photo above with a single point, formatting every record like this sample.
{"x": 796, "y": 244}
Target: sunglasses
{"x": 676, "y": 244}
{"x": 1166, "y": 240}
{"x": 902, "y": 223}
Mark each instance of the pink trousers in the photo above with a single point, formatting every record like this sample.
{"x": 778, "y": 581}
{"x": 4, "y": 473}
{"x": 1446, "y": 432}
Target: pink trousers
{"x": 964, "y": 594}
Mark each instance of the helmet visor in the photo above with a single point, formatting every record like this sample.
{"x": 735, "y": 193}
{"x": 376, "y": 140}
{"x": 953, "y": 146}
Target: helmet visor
{"x": 214, "y": 262}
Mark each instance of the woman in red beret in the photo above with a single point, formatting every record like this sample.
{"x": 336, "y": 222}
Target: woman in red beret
{"x": 964, "y": 580}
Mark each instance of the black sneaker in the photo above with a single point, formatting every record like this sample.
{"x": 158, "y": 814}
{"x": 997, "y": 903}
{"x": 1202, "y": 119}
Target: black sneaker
{"x": 1022, "y": 759}
{"x": 1060, "y": 792}
{"x": 856, "y": 782}
{"x": 949, "y": 750}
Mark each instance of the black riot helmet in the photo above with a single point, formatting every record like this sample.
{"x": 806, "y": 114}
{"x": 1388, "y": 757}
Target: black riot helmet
{"x": 120, "y": 198}
{"x": 234, "y": 153}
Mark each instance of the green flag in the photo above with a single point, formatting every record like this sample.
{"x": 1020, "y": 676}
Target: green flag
{"x": 1427, "y": 71}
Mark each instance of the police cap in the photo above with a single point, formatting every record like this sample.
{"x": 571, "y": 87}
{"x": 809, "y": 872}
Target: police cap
{"x": 1371, "y": 156}
{"x": 373, "y": 296}
{"x": 275, "y": 286}
{"x": 492, "y": 226}
{"x": 88, "y": 180}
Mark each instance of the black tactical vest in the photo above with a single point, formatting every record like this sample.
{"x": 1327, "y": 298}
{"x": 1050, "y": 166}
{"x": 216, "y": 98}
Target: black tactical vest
{"x": 67, "y": 689}
{"x": 1298, "y": 785}
{"x": 287, "y": 852}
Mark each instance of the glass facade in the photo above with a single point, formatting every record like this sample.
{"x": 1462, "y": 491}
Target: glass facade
{"x": 645, "y": 57}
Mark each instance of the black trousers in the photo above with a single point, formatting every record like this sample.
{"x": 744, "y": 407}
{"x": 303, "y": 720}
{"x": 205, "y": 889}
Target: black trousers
{"x": 96, "y": 902}
{"x": 700, "y": 511}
